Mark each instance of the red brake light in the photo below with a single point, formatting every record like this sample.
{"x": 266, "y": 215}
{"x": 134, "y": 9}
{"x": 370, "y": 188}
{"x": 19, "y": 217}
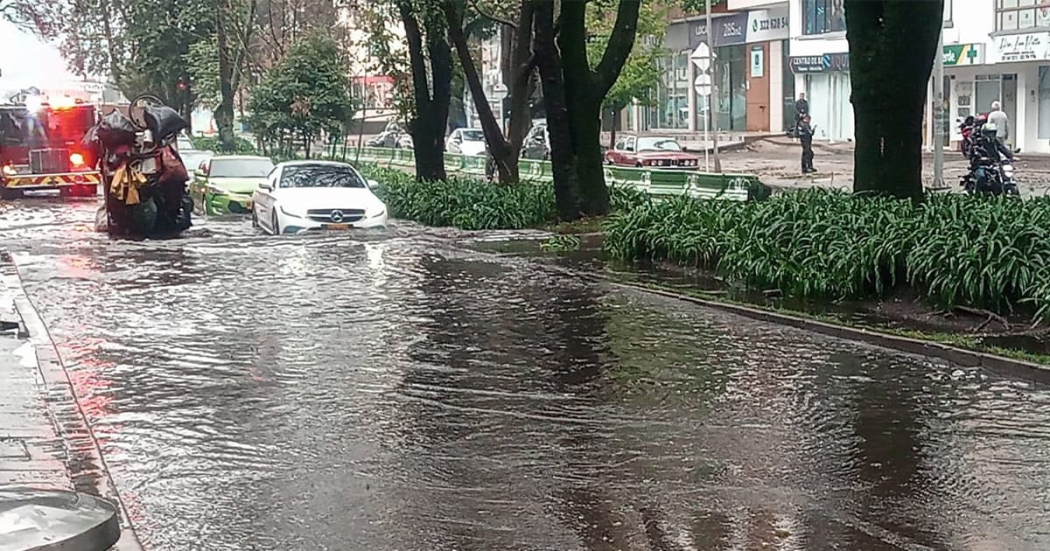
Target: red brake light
{"x": 76, "y": 159}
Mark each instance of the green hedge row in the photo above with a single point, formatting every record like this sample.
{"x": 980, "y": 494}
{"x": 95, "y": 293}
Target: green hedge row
{"x": 954, "y": 249}
{"x": 211, "y": 143}
{"x": 472, "y": 203}
{"x": 465, "y": 203}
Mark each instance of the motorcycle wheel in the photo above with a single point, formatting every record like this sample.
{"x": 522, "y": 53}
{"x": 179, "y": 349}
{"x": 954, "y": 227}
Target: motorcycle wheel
{"x": 138, "y": 106}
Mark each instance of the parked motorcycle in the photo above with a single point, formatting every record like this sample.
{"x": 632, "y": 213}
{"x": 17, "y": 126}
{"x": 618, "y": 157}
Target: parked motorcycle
{"x": 966, "y": 128}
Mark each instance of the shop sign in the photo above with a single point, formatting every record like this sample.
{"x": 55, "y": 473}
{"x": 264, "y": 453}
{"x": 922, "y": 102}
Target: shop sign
{"x": 820, "y": 63}
{"x": 758, "y": 61}
{"x": 963, "y": 54}
{"x": 1022, "y": 47}
{"x": 767, "y": 25}
{"x": 729, "y": 30}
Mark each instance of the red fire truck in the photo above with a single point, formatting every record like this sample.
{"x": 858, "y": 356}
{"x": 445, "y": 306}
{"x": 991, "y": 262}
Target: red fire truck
{"x": 41, "y": 148}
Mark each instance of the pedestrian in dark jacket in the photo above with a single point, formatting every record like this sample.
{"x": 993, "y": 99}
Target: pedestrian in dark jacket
{"x": 805, "y": 135}
{"x": 801, "y": 110}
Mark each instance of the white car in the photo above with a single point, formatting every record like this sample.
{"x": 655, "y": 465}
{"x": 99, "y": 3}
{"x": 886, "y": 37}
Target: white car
{"x": 301, "y": 196}
{"x": 465, "y": 141}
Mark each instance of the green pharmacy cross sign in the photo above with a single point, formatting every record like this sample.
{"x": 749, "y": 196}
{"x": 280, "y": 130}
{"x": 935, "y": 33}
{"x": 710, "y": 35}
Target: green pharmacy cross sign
{"x": 962, "y": 54}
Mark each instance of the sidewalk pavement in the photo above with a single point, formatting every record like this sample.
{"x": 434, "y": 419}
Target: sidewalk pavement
{"x": 45, "y": 441}
{"x": 776, "y": 161}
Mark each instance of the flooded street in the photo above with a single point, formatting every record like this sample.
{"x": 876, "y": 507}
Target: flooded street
{"x": 397, "y": 391}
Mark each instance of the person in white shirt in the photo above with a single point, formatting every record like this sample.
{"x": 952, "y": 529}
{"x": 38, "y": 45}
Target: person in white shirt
{"x": 1001, "y": 122}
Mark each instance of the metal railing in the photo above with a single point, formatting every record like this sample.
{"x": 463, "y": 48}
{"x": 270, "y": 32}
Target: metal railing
{"x": 735, "y": 187}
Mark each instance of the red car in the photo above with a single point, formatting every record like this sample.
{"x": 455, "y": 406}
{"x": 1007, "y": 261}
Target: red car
{"x": 651, "y": 151}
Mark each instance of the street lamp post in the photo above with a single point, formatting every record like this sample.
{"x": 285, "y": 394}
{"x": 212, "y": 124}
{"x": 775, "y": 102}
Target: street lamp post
{"x": 714, "y": 89}
{"x": 701, "y": 57}
{"x": 938, "y": 112}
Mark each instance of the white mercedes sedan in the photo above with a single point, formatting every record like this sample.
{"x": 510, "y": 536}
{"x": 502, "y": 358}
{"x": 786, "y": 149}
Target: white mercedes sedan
{"x": 301, "y": 196}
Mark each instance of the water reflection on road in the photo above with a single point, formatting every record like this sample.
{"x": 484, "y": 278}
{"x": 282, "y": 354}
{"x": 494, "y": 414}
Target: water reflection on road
{"x": 394, "y": 391}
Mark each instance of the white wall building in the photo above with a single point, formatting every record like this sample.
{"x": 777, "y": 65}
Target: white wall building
{"x": 819, "y": 59}
{"x": 994, "y": 50}
{"x": 968, "y": 88}
{"x": 360, "y": 60}
{"x": 491, "y": 80}
{"x": 1018, "y": 63}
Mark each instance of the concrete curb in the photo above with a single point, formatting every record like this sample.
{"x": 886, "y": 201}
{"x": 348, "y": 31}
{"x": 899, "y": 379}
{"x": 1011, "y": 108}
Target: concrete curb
{"x": 998, "y": 364}
{"x": 968, "y": 358}
{"x": 1017, "y": 369}
{"x": 92, "y": 475}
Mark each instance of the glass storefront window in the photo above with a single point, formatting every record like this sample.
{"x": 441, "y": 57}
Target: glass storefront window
{"x": 730, "y": 106}
{"x": 1044, "y": 103}
{"x": 670, "y": 111}
{"x": 789, "y": 88}
{"x": 1020, "y": 14}
{"x": 823, "y": 16}
{"x": 988, "y": 88}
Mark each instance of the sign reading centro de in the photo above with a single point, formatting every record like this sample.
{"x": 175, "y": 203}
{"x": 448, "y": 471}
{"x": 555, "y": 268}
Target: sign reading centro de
{"x": 767, "y": 25}
{"x": 820, "y": 63}
{"x": 1022, "y": 47}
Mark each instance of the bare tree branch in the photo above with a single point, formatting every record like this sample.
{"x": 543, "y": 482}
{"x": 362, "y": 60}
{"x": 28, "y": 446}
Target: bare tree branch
{"x": 620, "y": 44}
{"x": 492, "y": 17}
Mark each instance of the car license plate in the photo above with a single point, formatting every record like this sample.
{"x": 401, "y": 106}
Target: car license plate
{"x": 337, "y": 226}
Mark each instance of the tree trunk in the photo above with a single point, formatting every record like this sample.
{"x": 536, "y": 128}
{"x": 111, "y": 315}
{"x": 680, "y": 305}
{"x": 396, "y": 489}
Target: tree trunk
{"x": 224, "y": 111}
{"x": 612, "y": 128}
{"x": 521, "y": 84}
{"x": 498, "y": 146}
{"x": 559, "y": 123}
{"x": 428, "y": 125}
{"x": 428, "y": 137}
{"x": 590, "y": 165}
{"x": 889, "y": 78}
{"x": 585, "y": 90}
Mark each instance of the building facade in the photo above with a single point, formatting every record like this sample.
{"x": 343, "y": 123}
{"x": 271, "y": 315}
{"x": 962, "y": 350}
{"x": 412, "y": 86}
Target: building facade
{"x": 820, "y": 65}
{"x": 1018, "y": 62}
{"x": 769, "y": 51}
{"x": 994, "y": 50}
{"x": 748, "y": 69}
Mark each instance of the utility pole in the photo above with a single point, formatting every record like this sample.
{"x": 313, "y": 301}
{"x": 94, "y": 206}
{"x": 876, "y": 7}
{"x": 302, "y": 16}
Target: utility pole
{"x": 938, "y": 111}
{"x": 714, "y": 87}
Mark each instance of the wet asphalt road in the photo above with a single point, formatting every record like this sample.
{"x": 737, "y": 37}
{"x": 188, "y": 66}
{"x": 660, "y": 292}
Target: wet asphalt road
{"x": 396, "y": 391}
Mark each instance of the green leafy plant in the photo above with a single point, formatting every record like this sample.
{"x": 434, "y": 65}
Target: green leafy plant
{"x": 465, "y": 203}
{"x": 208, "y": 143}
{"x": 956, "y": 250}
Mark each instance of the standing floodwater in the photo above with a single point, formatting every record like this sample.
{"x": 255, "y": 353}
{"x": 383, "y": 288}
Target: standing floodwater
{"x": 395, "y": 392}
